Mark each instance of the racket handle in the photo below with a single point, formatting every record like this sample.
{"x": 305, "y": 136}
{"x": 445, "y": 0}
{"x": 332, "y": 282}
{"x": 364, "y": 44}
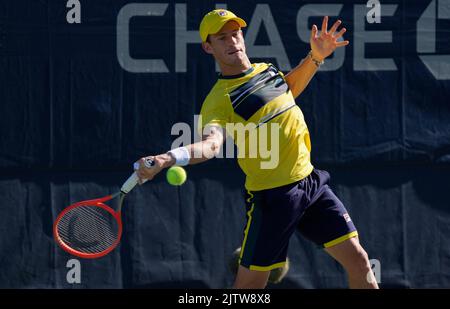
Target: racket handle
{"x": 133, "y": 180}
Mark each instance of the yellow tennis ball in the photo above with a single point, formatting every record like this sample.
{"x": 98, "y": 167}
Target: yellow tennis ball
{"x": 176, "y": 175}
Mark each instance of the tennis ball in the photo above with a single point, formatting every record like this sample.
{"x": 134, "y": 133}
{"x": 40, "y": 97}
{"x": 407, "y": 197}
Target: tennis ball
{"x": 176, "y": 175}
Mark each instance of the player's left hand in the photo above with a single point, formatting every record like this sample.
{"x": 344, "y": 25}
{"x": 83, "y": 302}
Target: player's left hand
{"x": 324, "y": 44}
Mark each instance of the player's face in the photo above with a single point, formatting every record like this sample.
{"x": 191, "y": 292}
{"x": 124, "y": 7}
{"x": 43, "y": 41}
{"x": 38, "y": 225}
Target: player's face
{"x": 228, "y": 45}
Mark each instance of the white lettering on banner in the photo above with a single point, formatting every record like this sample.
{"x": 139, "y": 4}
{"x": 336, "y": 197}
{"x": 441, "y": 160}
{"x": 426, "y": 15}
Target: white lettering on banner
{"x": 438, "y": 65}
{"x": 183, "y": 37}
{"x": 304, "y": 33}
{"x": 361, "y": 37}
{"x": 263, "y": 15}
{"x": 123, "y": 47}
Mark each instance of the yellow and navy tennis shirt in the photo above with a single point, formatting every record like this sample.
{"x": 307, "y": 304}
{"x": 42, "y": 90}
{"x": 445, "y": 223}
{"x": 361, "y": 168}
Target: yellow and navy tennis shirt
{"x": 260, "y": 98}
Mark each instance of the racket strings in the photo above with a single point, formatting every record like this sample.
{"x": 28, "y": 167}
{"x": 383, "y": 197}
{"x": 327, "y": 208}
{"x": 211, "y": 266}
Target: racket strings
{"x": 88, "y": 229}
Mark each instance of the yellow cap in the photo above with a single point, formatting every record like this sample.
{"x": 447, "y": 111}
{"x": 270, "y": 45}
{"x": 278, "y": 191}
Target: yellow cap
{"x": 215, "y": 20}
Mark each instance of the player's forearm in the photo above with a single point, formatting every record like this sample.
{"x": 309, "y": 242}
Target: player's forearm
{"x": 300, "y": 76}
{"x": 203, "y": 151}
{"x": 190, "y": 154}
{"x": 199, "y": 152}
{"x": 195, "y": 153}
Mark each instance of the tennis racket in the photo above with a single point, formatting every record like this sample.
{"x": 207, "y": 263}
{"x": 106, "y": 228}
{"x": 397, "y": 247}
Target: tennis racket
{"x": 91, "y": 229}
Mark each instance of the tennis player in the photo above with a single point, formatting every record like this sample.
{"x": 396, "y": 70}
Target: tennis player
{"x": 293, "y": 195}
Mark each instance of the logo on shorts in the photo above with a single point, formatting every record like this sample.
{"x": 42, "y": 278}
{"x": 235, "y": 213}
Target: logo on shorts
{"x": 347, "y": 217}
{"x": 222, "y": 13}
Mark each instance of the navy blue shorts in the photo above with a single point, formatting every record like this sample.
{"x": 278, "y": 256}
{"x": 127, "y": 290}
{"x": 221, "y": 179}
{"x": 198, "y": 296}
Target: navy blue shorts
{"x": 308, "y": 206}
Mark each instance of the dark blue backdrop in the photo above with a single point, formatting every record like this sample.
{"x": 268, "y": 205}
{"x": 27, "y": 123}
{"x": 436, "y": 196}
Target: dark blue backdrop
{"x": 80, "y": 102}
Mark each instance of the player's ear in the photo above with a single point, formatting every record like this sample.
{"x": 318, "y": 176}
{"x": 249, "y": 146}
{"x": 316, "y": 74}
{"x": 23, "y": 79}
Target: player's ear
{"x": 207, "y": 47}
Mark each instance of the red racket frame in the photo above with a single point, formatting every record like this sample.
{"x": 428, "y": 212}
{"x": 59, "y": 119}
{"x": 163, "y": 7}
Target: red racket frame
{"x": 94, "y": 203}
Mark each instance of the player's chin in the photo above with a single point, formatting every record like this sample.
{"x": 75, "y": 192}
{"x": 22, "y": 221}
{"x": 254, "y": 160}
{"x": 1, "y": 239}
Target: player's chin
{"x": 236, "y": 59}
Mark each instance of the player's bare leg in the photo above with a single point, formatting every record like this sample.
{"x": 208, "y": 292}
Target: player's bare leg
{"x": 250, "y": 279}
{"x": 355, "y": 261}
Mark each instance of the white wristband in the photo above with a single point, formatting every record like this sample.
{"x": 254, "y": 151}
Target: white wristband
{"x": 181, "y": 155}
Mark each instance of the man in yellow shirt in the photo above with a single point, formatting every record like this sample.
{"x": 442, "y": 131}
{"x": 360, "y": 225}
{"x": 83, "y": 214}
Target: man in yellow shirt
{"x": 285, "y": 193}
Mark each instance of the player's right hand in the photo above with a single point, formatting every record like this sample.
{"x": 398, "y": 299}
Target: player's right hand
{"x": 146, "y": 172}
